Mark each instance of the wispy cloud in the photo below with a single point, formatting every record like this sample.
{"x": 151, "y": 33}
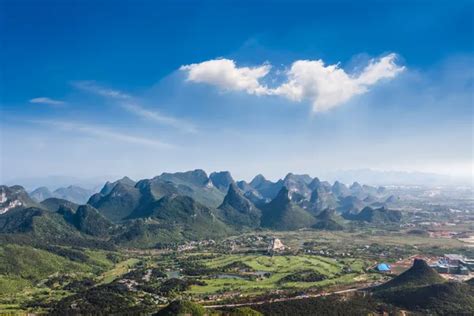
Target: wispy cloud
{"x": 48, "y": 101}
{"x": 325, "y": 86}
{"x": 159, "y": 118}
{"x": 104, "y": 133}
{"x": 93, "y": 87}
{"x": 129, "y": 103}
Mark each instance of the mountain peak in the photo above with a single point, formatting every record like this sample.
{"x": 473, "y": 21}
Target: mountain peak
{"x": 355, "y": 185}
{"x": 221, "y": 180}
{"x": 238, "y": 210}
{"x": 41, "y": 194}
{"x": 314, "y": 184}
{"x": 304, "y": 178}
{"x": 127, "y": 180}
{"x": 340, "y": 189}
{"x": 282, "y": 214}
{"x": 195, "y": 177}
{"x": 283, "y": 195}
{"x": 258, "y": 180}
{"x": 109, "y": 186}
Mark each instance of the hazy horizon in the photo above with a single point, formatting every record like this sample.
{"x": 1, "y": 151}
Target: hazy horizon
{"x": 363, "y": 176}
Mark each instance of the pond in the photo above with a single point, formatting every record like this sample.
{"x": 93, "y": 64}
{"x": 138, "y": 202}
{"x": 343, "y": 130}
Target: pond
{"x": 176, "y": 274}
{"x": 229, "y": 276}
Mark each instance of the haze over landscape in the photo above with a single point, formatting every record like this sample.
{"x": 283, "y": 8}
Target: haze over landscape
{"x": 236, "y": 158}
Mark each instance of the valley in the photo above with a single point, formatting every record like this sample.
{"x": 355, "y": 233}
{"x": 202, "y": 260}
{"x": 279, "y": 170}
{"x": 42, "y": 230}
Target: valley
{"x": 140, "y": 247}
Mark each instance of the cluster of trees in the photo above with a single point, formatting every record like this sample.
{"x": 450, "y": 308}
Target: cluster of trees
{"x": 303, "y": 276}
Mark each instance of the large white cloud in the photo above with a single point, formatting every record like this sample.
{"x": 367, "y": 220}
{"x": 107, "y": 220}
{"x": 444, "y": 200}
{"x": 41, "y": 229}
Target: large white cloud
{"x": 226, "y": 75}
{"x": 325, "y": 86}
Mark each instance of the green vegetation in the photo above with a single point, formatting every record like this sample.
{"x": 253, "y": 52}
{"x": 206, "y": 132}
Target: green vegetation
{"x": 275, "y": 271}
{"x": 419, "y": 274}
{"x": 119, "y": 269}
{"x": 422, "y": 288}
{"x": 244, "y": 311}
{"x": 377, "y": 216}
{"x": 282, "y": 214}
{"x": 119, "y": 203}
{"x": 331, "y": 305}
{"x": 449, "y": 298}
{"x": 237, "y": 210}
{"x": 137, "y": 246}
{"x": 182, "y": 308}
{"x": 303, "y": 276}
{"x": 328, "y": 220}
{"x": 34, "y": 264}
{"x": 101, "y": 300}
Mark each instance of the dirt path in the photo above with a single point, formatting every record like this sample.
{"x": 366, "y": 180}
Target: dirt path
{"x": 299, "y": 297}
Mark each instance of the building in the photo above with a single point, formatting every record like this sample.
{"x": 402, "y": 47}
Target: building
{"x": 463, "y": 270}
{"x": 383, "y": 267}
{"x": 275, "y": 246}
{"x": 453, "y": 259}
{"x": 468, "y": 263}
{"x": 454, "y": 264}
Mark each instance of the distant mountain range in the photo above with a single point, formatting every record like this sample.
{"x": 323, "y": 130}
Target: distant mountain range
{"x": 71, "y": 193}
{"x": 387, "y": 177}
{"x": 190, "y": 205}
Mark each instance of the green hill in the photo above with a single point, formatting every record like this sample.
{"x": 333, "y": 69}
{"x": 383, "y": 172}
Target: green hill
{"x": 193, "y": 219}
{"x": 328, "y": 220}
{"x": 422, "y": 289}
{"x": 450, "y": 298}
{"x": 282, "y": 214}
{"x": 21, "y": 265}
{"x": 35, "y": 226}
{"x": 375, "y": 216}
{"x": 419, "y": 274}
{"x": 195, "y": 184}
{"x": 89, "y": 221}
{"x": 182, "y": 308}
{"x": 238, "y": 211}
{"x": 119, "y": 203}
{"x": 54, "y": 204}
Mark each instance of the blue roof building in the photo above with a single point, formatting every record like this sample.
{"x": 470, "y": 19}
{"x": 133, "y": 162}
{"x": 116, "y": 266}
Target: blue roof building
{"x": 383, "y": 267}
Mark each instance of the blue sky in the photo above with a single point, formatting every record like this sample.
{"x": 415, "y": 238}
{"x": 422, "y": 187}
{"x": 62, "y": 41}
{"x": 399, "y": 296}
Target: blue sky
{"x": 136, "y": 88}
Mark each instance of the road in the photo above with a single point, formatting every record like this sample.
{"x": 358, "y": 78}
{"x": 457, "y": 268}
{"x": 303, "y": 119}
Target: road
{"x": 299, "y": 297}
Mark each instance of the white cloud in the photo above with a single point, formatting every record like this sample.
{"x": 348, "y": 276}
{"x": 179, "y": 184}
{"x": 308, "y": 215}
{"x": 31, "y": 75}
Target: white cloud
{"x": 104, "y": 133}
{"x": 227, "y": 76}
{"x": 325, "y": 86}
{"x": 384, "y": 67}
{"x": 48, "y": 101}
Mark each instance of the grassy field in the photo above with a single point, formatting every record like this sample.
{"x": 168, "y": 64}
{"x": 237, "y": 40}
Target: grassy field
{"x": 278, "y": 267}
{"x": 118, "y": 270}
{"x": 24, "y": 270}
